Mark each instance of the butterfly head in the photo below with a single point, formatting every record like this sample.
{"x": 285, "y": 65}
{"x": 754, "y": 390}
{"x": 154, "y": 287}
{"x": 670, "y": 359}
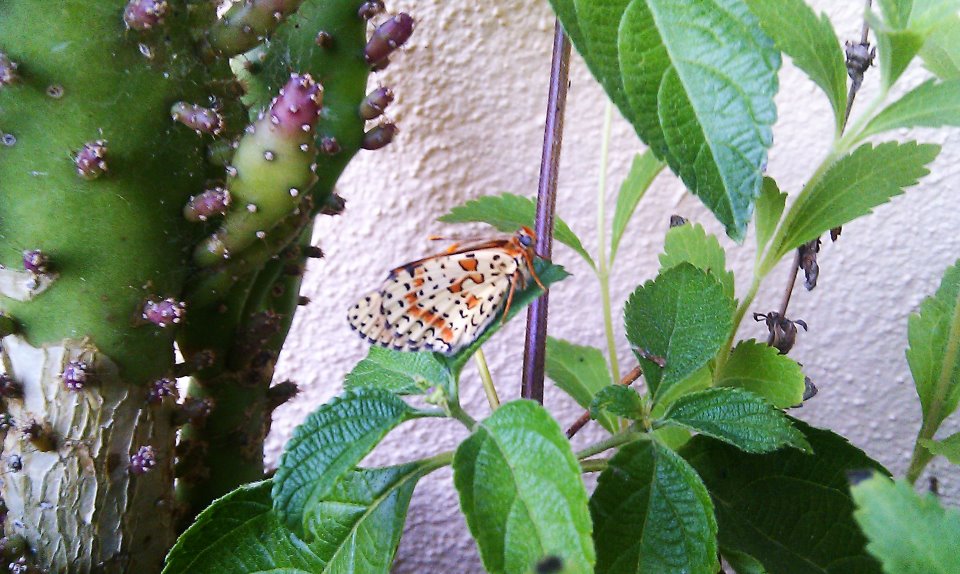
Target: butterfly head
{"x": 526, "y": 237}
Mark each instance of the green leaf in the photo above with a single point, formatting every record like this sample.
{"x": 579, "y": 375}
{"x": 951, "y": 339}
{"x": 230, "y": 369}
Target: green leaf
{"x": 521, "y": 492}
{"x": 934, "y": 352}
{"x": 567, "y": 13}
{"x": 599, "y": 21}
{"x": 812, "y": 44}
{"x": 905, "y": 27}
{"x": 761, "y": 369}
{"x": 791, "y": 511}
{"x": 769, "y": 210}
{"x": 941, "y": 51}
{"x": 548, "y": 274}
{"x": 948, "y": 447}
{"x": 357, "y": 526}
{"x": 644, "y": 169}
{"x": 910, "y": 534}
{"x": 332, "y": 440}
{"x": 701, "y": 379}
{"x": 895, "y": 50}
{"x": 896, "y": 13}
{"x": 619, "y": 400}
{"x": 690, "y": 243}
{"x": 580, "y": 372}
{"x": 742, "y": 563}
{"x": 651, "y": 513}
{"x": 682, "y": 316}
{"x": 700, "y": 78}
{"x": 241, "y": 533}
{"x": 852, "y": 187}
{"x": 403, "y": 373}
{"x": 735, "y": 416}
{"x": 508, "y": 212}
{"x": 931, "y": 104}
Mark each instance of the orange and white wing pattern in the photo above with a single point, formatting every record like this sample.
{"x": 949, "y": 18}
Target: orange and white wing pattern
{"x": 445, "y": 302}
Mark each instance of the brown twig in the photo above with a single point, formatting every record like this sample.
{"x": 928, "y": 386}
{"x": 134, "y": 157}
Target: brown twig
{"x": 627, "y": 380}
{"x": 534, "y": 352}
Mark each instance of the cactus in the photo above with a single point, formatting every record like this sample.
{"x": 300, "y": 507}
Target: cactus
{"x": 153, "y": 192}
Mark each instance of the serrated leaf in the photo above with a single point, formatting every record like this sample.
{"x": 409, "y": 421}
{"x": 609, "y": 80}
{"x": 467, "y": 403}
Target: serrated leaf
{"x": 643, "y": 170}
{"x": 332, "y": 440}
{"x": 521, "y": 492}
{"x": 508, "y": 212}
{"x": 682, "y": 316}
{"x": 910, "y": 534}
{"x": 580, "y": 372}
{"x": 701, "y": 379}
{"x": 700, "y": 78}
{"x": 599, "y": 21}
{"x": 651, "y": 513}
{"x": 895, "y": 50}
{"x": 941, "y": 51}
{"x": 852, "y": 187}
{"x": 567, "y": 13}
{"x": 690, "y": 243}
{"x": 735, "y": 416}
{"x": 548, "y": 274}
{"x": 791, "y": 511}
{"x": 402, "y": 373}
{"x": 812, "y": 44}
{"x": 903, "y": 31}
{"x": 240, "y": 533}
{"x": 742, "y": 563}
{"x": 933, "y": 356}
{"x": 357, "y": 526}
{"x": 769, "y": 210}
{"x": 761, "y": 369}
{"x": 931, "y": 104}
{"x": 948, "y": 447}
{"x": 619, "y": 400}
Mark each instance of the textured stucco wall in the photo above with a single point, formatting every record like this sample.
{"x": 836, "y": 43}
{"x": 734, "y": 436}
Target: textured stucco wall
{"x": 471, "y": 98}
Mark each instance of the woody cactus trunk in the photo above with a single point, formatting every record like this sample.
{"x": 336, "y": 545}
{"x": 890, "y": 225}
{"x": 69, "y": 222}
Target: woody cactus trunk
{"x": 160, "y": 168}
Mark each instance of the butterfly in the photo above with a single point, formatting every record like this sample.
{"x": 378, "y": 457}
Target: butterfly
{"x": 444, "y": 302}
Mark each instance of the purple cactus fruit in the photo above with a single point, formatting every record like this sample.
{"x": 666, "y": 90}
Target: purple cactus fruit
{"x": 375, "y": 103}
{"x": 36, "y": 261}
{"x": 198, "y": 118}
{"x": 379, "y": 136}
{"x": 161, "y": 389}
{"x": 9, "y": 388}
{"x": 75, "y": 375}
{"x": 164, "y": 312}
{"x": 211, "y": 203}
{"x": 8, "y": 71}
{"x": 91, "y": 159}
{"x": 144, "y": 14}
{"x": 370, "y": 9}
{"x": 143, "y": 460}
{"x": 297, "y": 108}
{"x": 388, "y": 37}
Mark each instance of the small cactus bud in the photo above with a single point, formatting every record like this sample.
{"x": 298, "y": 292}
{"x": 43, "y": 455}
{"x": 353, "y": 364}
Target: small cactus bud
{"x": 9, "y": 388}
{"x": 380, "y": 66}
{"x": 161, "y": 389}
{"x": 164, "y": 312}
{"x": 375, "y": 103}
{"x": 324, "y": 39}
{"x": 329, "y": 145}
{"x": 211, "y": 203}
{"x": 199, "y": 119}
{"x": 144, "y": 14}
{"x": 388, "y": 37}
{"x": 14, "y": 463}
{"x": 334, "y": 205}
{"x": 143, "y": 460}
{"x": 8, "y": 71}
{"x": 370, "y": 9}
{"x": 36, "y": 261}
{"x": 303, "y": 301}
{"x": 75, "y": 375}
{"x": 40, "y": 436}
{"x": 6, "y": 421}
{"x": 297, "y": 108}
{"x": 91, "y": 159}
{"x": 281, "y": 393}
{"x": 379, "y": 136}
{"x": 192, "y": 410}
{"x": 313, "y": 252}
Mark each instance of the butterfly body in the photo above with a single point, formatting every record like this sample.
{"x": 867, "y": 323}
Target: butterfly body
{"x": 444, "y": 302}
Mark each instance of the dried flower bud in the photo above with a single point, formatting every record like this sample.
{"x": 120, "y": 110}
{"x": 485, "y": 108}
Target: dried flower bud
{"x": 783, "y": 331}
{"x": 164, "y": 312}
{"x": 859, "y": 59}
{"x": 808, "y": 262}
{"x": 75, "y": 375}
{"x": 143, "y": 460}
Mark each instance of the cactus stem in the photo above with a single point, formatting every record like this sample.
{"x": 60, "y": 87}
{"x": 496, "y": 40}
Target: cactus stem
{"x": 75, "y": 375}
{"x": 142, "y": 461}
{"x": 8, "y": 71}
{"x": 248, "y": 23}
{"x": 91, "y": 160}
{"x": 370, "y": 9}
{"x": 388, "y": 37}
{"x": 375, "y": 103}
{"x": 379, "y": 136}
{"x": 142, "y": 15}
{"x": 199, "y": 119}
{"x": 164, "y": 312}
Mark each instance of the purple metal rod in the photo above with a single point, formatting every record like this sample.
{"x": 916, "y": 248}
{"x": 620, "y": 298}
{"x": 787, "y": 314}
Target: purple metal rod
{"x": 534, "y": 349}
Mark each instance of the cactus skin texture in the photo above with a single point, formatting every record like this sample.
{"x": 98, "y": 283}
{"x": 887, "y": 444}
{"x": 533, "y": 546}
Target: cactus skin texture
{"x": 111, "y": 250}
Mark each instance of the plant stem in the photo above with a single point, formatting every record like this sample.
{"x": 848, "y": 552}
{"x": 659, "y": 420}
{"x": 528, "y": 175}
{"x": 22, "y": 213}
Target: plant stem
{"x": 594, "y": 465}
{"x": 437, "y": 461}
{"x": 603, "y": 273}
{"x": 488, "y": 388}
{"x": 935, "y": 414}
{"x": 456, "y": 412}
{"x": 611, "y": 442}
{"x": 724, "y": 353}
{"x": 627, "y": 380}
{"x": 534, "y": 351}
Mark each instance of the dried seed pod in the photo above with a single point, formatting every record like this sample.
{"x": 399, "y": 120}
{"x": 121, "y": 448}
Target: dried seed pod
{"x": 808, "y": 262}
{"x": 388, "y": 37}
{"x": 91, "y": 160}
{"x": 36, "y": 261}
{"x": 859, "y": 59}
{"x": 783, "y": 331}
{"x": 375, "y": 103}
{"x": 198, "y": 118}
{"x": 143, "y": 460}
{"x": 8, "y": 71}
{"x": 379, "y": 137}
{"x": 211, "y": 203}
{"x": 143, "y": 15}
{"x": 164, "y": 312}
{"x": 75, "y": 375}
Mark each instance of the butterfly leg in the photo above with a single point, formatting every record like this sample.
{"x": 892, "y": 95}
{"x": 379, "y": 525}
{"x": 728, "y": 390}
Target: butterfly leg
{"x": 514, "y": 279}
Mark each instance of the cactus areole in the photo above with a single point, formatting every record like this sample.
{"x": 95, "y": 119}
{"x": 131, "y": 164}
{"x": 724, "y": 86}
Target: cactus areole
{"x": 151, "y": 194}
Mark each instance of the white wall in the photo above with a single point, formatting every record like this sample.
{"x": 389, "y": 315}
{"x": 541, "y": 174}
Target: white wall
{"x": 472, "y": 91}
